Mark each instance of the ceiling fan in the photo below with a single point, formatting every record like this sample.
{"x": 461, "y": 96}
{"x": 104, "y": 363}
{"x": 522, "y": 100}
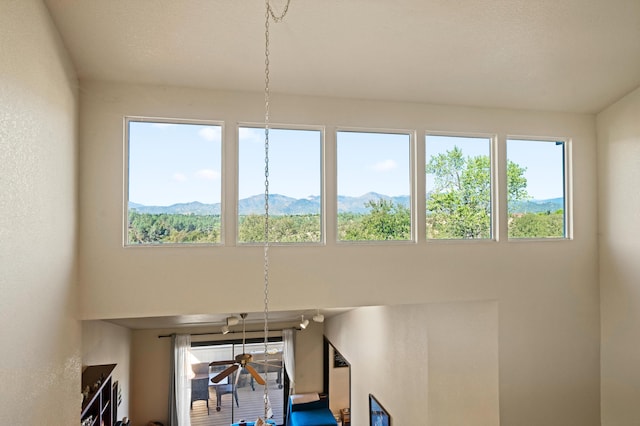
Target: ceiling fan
{"x": 242, "y": 360}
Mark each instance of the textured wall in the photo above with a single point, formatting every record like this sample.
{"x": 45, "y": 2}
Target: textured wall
{"x": 106, "y": 343}
{"x": 40, "y": 335}
{"x": 548, "y": 290}
{"x": 434, "y": 364}
{"x": 619, "y": 207}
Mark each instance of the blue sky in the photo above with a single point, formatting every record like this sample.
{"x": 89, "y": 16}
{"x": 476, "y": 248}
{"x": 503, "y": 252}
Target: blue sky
{"x": 174, "y": 163}
{"x": 294, "y": 162}
{"x": 179, "y": 163}
{"x": 373, "y": 162}
{"x": 542, "y": 159}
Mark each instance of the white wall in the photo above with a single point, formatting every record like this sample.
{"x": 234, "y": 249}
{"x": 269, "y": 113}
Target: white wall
{"x": 548, "y": 292}
{"x": 39, "y": 332}
{"x": 426, "y": 364}
{"x": 339, "y": 385}
{"x": 619, "y": 226}
{"x": 106, "y": 343}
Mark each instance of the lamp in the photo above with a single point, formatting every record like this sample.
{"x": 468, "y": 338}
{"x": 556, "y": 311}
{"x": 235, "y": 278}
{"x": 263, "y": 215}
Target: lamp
{"x": 225, "y": 329}
{"x": 304, "y": 323}
{"x": 318, "y": 317}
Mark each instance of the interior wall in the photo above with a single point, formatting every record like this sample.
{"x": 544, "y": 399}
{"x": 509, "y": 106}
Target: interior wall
{"x": 433, "y": 364}
{"x": 150, "y": 358}
{"x": 619, "y": 226}
{"x": 339, "y": 385}
{"x": 547, "y": 290}
{"x": 106, "y": 343}
{"x": 40, "y": 333}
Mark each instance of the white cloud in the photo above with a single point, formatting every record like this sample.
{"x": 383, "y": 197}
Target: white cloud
{"x": 385, "y": 166}
{"x": 208, "y": 174}
{"x": 210, "y": 133}
{"x": 251, "y": 134}
{"x": 179, "y": 177}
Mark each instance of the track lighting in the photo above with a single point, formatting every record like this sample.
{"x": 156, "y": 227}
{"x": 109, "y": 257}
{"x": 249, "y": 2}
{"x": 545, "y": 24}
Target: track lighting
{"x": 304, "y": 323}
{"x": 232, "y": 321}
{"x": 225, "y": 329}
{"x": 318, "y": 317}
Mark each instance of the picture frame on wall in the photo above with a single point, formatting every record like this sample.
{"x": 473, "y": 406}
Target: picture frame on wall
{"x": 338, "y": 360}
{"x": 378, "y": 415}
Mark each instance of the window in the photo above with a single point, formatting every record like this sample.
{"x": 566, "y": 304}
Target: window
{"x": 295, "y": 203}
{"x": 174, "y": 182}
{"x": 458, "y": 185}
{"x": 374, "y": 186}
{"x": 237, "y": 396}
{"x": 536, "y": 188}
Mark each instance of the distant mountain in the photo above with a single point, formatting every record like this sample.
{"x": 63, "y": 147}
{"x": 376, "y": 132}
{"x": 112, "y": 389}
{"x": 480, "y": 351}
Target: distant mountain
{"x": 194, "y": 207}
{"x": 278, "y": 205}
{"x": 357, "y": 204}
{"x": 538, "y": 206}
{"x": 283, "y": 205}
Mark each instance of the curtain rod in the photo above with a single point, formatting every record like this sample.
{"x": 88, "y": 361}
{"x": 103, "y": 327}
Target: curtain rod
{"x": 231, "y": 332}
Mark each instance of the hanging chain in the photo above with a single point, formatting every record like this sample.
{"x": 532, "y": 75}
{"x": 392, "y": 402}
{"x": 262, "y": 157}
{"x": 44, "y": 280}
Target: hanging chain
{"x": 269, "y": 14}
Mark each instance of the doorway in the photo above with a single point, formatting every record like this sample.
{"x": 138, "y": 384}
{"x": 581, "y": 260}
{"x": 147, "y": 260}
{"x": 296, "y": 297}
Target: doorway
{"x": 337, "y": 383}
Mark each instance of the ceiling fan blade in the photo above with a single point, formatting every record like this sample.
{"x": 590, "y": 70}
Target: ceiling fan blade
{"x": 225, "y": 373}
{"x": 216, "y": 363}
{"x": 255, "y": 374}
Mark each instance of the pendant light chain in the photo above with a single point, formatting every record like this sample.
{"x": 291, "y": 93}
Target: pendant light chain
{"x": 269, "y": 14}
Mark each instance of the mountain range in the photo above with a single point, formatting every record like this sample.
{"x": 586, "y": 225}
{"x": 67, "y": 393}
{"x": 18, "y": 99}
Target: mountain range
{"x": 283, "y": 205}
{"x": 278, "y": 205}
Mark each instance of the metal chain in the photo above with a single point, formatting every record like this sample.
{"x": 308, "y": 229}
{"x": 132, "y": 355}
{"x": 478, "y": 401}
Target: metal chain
{"x": 268, "y": 14}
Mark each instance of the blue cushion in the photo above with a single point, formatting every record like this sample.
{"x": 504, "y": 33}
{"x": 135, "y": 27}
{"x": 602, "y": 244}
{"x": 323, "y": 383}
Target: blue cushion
{"x": 322, "y": 417}
{"x": 313, "y": 405}
{"x": 269, "y": 421}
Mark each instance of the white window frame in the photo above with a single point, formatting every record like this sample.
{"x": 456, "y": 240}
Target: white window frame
{"x": 567, "y": 185}
{"x": 413, "y": 233}
{"x": 494, "y": 220}
{"x": 280, "y": 126}
{"x": 125, "y": 204}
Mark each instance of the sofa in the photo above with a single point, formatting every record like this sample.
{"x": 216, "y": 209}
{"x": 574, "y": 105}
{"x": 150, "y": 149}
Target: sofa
{"x": 309, "y": 410}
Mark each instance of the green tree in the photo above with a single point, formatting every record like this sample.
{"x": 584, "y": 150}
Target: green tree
{"x": 537, "y": 225}
{"x": 459, "y": 207}
{"x": 282, "y": 228}
{"x": 385, "y": 221}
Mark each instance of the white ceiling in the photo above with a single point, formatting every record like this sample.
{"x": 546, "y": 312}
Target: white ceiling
{"x": 556, "y": 55}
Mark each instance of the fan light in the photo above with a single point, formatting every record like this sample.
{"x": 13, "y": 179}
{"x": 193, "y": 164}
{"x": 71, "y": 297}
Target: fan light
{"x": 304, "y": 323}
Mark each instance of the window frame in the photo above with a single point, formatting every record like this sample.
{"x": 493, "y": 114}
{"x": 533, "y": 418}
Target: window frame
{"x": 567, "y": 186}
{"x": 272, "y": 338}
{"x": 322, "y": 194}
{"x": 413, "y": 220}
{"x": 125, "y": 204}
{"x": 494, "y": 221}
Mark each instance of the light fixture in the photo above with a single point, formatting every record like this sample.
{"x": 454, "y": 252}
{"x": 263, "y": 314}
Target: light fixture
{"x": 225, "y": 329}
{"x": 232, "y": 321}
{"x": 304, "y": 323}
{"x": 318, "y": 317}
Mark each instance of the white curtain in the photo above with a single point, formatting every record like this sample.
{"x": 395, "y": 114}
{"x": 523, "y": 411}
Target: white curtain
{"x": 181, "y": 374}
{"x": 288, "y": 356}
